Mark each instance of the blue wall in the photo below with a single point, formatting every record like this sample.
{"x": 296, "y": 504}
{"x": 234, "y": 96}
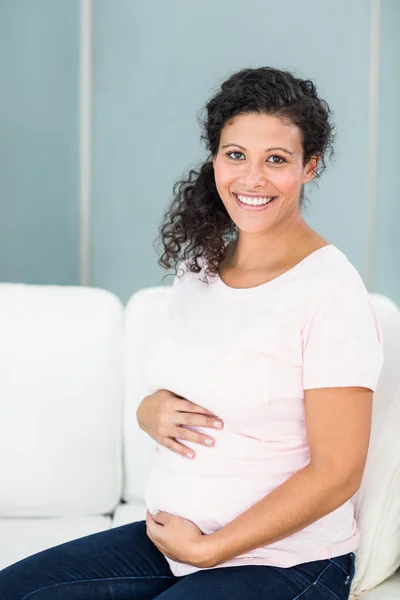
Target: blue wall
{"x": 387, "y": 264}
{"x": 39, "y": 149}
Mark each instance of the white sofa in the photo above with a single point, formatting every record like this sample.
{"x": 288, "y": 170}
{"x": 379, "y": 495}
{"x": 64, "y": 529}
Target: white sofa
{"x": 73, "y": 460}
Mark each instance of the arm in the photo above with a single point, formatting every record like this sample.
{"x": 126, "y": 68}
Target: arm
{"x": 338, "y": 424}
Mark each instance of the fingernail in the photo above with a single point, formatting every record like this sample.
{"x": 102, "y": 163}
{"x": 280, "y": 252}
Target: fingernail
{"x": 209, "y": 441}
{"x": 189, "y": 455}
{"x": 217, "y": 424}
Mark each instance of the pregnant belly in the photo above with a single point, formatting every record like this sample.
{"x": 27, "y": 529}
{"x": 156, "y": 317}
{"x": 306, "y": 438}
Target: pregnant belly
{"x": 220, "y": 483}
{"x": 209, "y": 502}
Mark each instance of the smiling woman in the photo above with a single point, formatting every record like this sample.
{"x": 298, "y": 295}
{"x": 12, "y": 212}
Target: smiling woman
{"x": 280, "y": 344}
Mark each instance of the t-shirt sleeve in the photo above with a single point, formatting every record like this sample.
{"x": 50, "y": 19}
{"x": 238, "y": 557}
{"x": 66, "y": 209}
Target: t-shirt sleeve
{"x": 342, "y": 339}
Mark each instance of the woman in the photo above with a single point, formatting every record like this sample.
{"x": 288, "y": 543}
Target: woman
{"x": 262, "y": 382}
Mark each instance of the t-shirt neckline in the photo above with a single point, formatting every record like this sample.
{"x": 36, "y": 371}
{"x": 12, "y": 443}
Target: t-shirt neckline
{"x": 227, "y": 288}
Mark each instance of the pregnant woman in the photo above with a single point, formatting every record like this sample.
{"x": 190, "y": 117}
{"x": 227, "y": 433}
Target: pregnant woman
{"x": 261, "y": 381}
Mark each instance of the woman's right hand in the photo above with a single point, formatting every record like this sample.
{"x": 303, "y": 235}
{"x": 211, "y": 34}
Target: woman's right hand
{"x": 163, "y": 416}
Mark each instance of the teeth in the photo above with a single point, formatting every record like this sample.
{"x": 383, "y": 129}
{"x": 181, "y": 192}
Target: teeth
{"x": 254, "y": 201}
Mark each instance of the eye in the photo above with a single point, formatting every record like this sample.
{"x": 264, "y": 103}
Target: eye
{"x": 233, "y": 152}
{"x": 277, "y": 160}
{"x": 282, "y": 160}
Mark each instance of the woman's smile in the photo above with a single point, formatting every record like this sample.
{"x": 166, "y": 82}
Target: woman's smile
{"x": 254, "y": 203}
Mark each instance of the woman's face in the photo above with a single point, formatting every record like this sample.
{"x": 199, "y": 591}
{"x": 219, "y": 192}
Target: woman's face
{"x": 261, "y": 156}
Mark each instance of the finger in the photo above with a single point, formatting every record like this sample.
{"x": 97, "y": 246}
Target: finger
{"x": 188, "y": 406}
{"x": 152, "y": 517}
{"x": 152, "y": 527}
{"x": 149, "y": 519}
{"x": 179, "y": 448}
{"x": 161, "y": 518}
{"x": 193, "y": 436}
{"x": 199, "y": 420}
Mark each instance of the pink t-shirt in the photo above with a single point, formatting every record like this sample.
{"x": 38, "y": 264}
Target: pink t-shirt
{"x": 247, "y": 355}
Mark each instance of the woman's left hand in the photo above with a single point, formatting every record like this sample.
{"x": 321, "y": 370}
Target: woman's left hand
{"x": 178, "y": 538}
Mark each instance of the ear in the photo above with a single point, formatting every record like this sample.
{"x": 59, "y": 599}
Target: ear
{"x": 311, "y": 168}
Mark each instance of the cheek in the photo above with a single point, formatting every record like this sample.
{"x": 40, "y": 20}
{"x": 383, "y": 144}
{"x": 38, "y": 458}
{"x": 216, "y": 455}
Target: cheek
{"x": 224, "y": 175}
{"x": 285, "y": 180}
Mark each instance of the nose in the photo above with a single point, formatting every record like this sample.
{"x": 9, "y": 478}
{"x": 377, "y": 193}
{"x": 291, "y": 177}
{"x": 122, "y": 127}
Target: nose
{"x": 254, "y": 176}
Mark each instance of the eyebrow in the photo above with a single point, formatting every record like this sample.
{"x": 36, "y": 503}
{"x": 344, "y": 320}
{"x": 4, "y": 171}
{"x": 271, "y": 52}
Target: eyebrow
{"x": 267, "y": 149}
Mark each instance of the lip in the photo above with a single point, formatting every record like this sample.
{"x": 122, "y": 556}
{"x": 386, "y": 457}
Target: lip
{"x": 253, "y": 208}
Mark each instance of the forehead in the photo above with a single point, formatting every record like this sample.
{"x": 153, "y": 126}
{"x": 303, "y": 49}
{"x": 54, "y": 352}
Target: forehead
{"x": 260, "y": 131}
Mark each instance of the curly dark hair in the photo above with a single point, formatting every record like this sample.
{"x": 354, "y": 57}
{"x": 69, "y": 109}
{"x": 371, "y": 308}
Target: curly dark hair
{"x": 197, "y": 224}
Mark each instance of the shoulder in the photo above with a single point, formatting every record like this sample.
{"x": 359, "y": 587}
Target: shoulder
{"x": 334, "y": 290}
{"x": 334, "y": 271}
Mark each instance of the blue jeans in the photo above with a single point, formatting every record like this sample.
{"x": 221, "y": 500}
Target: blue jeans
{"x": 123, "y": 564}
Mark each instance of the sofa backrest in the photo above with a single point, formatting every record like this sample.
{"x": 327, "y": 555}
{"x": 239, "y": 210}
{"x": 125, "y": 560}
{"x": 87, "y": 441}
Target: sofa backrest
{"x": 145, "y": 317}
{"x": 377, "y": 502}
{"x": 61, "y": 400}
